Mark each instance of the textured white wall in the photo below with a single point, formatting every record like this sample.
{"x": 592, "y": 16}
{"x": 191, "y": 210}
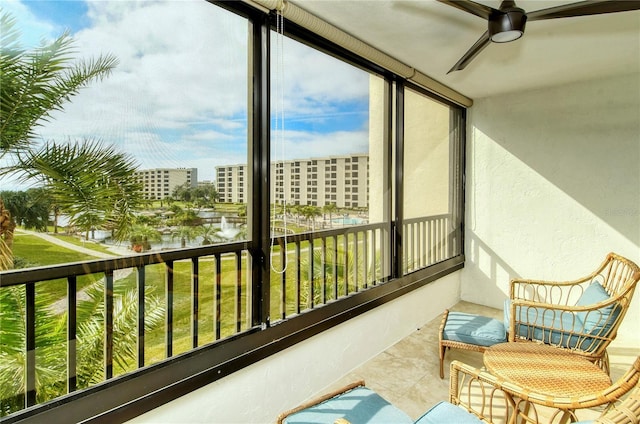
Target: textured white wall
{"x": 260, "y": 392}
{"x": 553, "y": 185}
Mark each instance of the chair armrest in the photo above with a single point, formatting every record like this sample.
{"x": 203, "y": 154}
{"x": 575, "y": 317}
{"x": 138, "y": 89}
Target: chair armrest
{"x": 480, "y": 393}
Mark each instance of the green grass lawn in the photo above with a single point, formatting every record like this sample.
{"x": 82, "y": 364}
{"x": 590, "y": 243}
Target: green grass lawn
{"x": 40, "y": 252}
{"x": 35, "y": 251}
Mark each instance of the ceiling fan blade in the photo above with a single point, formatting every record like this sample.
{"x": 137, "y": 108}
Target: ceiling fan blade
{"x": 584, "y": 8}
{"x": 482, "y": 42}
{"x": 471, "y": 7}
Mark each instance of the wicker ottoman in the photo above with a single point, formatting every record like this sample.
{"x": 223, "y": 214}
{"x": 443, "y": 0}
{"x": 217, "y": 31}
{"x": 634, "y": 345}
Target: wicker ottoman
{"x": 468, "y": 331}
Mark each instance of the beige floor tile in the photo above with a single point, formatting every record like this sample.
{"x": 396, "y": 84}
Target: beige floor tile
{"x": 407, "y": 374}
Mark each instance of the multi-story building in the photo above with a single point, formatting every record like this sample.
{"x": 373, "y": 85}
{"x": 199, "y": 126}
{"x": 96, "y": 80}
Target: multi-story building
{"x": 159, "y": 183}
{"x": 339, "y": 180}
{"x": 232, "y": 183}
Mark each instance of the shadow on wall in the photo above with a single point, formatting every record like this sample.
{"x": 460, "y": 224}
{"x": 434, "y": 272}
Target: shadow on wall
{"x": 488, "y": 273}
{"x": 582, "y": 138}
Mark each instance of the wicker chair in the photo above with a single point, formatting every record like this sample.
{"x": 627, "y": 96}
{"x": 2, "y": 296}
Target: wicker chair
{"x": 626, "y": 412}
{"x": 582, "y": 315}
{"x": 475, "y": 396}
{"x": 524, "y": 406}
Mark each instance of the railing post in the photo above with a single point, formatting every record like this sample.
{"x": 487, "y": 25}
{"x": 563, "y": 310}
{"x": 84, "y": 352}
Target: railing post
{"x": 169, "y": 303}
{"x": 108, "y": 324}
{"x": 238, "y": 292}
{"x": 283, "y": 283}
{"x": 195, "y": 302}
{"x": 141, "y": 281}
{"x": 30, "y": 395}
{"x": 217, "y": 296}
{"x": 72, "y": 327}
{"x": 311, "y": 285}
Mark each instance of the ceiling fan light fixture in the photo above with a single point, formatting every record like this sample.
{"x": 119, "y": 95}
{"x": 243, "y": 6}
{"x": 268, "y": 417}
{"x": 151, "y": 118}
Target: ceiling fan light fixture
{"x": 507, "y": 26}
{"x": 506, "y": 36}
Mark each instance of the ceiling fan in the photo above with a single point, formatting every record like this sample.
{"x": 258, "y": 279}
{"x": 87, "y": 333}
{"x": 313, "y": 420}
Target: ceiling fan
{"x": 508, "y": 21}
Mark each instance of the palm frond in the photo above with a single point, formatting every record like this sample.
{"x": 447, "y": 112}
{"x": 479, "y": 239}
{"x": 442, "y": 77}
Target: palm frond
{"x": 35, "y": 83}
{"x": 92, "y": 182}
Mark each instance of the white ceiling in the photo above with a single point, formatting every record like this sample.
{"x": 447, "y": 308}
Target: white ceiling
{"x": 432, "y": 36}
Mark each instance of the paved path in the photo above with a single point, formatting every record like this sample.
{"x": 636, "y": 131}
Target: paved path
{"x": 60, "y": 305}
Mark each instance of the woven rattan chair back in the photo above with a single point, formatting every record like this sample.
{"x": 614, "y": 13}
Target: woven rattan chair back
{"x": 555, "y": 312}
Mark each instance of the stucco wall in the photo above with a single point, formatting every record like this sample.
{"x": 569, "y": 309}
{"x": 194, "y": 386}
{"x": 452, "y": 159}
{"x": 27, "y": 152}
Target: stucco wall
{"x": 553, "y": 185}
{"x": 260, "y": 392}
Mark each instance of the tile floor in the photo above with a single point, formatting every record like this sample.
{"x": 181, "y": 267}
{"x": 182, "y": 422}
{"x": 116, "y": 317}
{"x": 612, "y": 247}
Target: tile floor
{"x": 407, "y": 374}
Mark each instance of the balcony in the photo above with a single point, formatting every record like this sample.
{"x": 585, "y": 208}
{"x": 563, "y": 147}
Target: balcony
{"x": 404, "y": 370}
{"x": 407, "y": 374}
{"x": 550, "y": 187}
{"x": 322, "y": 278}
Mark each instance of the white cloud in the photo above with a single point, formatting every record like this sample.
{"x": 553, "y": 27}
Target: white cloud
{"x": 178, "y": 96}
{"x": 32, "y": 29}
{"x": 304, "y": 144}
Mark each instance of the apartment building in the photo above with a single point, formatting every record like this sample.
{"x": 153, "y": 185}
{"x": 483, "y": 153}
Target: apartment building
{"x": 159, "y": 183}
{"x": 340, "y": 180}
{"x": 232, "y": 183}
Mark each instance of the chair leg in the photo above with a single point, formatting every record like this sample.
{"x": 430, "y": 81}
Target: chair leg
{"x": 603, "y": 363}
{"x": 443, "y": 350}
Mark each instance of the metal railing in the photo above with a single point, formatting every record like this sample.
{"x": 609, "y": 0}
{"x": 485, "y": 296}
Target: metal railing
{"x": 323, "y": 266}
{"x": 428, "y": 240}
{"x": 308, "y": 271}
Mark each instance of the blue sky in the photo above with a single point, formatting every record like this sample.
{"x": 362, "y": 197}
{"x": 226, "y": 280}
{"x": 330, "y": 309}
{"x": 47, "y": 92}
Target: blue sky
{"x": 70, "y": 14}
{"x": 178, "y": 95}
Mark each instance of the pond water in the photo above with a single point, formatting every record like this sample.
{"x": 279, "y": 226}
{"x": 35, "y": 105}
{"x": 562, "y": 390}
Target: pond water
{"x": 225, "y": 231}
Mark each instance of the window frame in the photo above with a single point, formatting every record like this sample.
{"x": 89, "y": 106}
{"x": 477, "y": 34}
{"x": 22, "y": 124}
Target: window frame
{"x": 130, "y": 395}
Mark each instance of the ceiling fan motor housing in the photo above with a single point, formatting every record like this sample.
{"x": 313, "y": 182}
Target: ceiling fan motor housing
{"x": 508, "y": 24}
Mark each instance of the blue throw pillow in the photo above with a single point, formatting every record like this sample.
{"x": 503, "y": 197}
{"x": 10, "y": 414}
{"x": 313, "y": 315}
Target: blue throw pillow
{"x": 598, "y": 321}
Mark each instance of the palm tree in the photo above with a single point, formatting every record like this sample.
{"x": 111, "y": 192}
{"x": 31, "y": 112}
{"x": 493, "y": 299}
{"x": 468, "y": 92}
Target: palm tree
{"x": 208, "y": 233}
{"x": 185, "y": 233}
{"x": 29, "y": 208}
{"x": 91, "y": 329}
{"x": 91, "y": 182}
{"x": 36, "y": 83}
{"x": 142, "y": 235}
{"x": 51, "y": 340}
{"x": 50, "y": 336}
{"x": 7, "y": 226}
{"x": 330, "y": 208}
{"x": 311, "y": 213}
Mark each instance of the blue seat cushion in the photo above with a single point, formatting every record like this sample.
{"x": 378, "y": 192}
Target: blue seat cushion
{"x": 360, "y": 405}
{"x": 473, "y": 329}
{"x": 445, "y": 413}
{"x": 552, "y": 326}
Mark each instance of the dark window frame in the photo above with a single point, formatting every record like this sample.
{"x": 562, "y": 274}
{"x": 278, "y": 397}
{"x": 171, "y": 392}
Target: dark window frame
{"x": 127, "y": 396}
